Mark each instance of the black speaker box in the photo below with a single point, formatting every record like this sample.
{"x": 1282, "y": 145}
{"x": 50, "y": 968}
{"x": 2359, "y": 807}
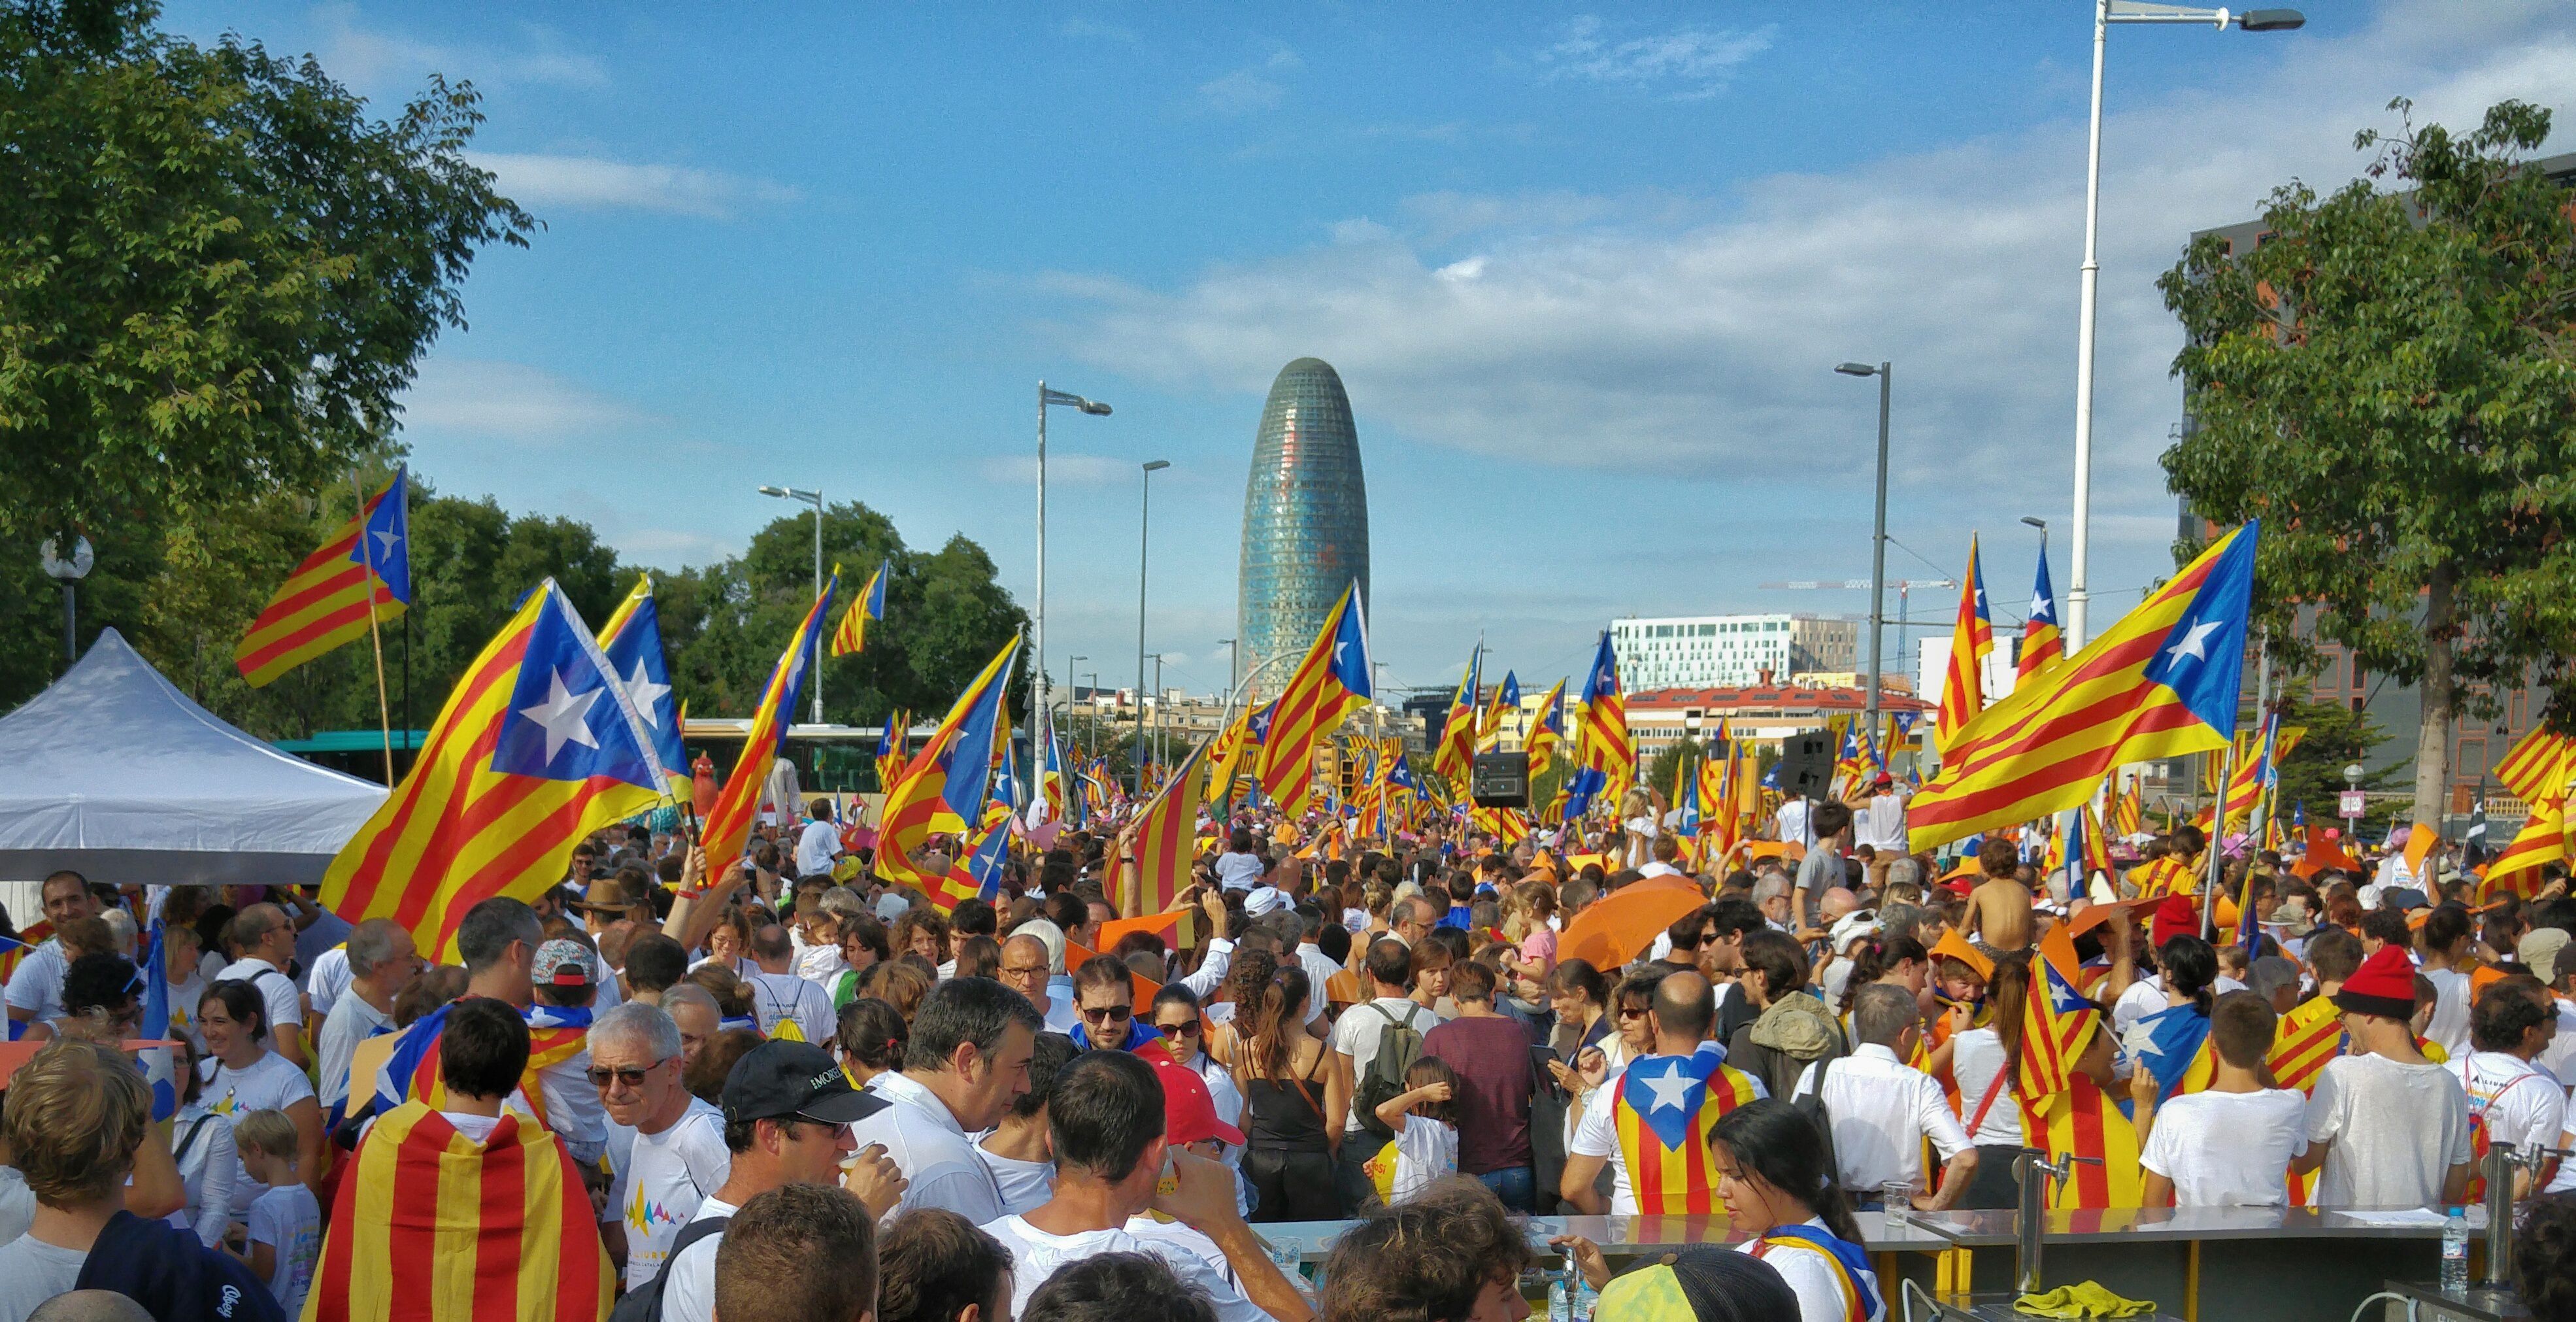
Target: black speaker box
{"x": 1806, "y": 763}
{"x": 1500, "y": 780}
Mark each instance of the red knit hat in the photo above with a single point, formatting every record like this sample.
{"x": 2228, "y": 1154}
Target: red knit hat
{"x": 2384, "y": 985}
{"x": 2177, "y": 916}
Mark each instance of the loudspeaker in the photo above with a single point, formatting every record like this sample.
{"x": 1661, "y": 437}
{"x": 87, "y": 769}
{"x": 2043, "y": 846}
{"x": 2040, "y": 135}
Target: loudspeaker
{"x": 1500, "y": 780}
{"x": 1806, "y": 763}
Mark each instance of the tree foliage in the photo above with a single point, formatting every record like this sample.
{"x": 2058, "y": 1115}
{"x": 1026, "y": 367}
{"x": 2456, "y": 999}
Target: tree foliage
{"x": 2385, "y": 380}
{"x": 216, "y": 272}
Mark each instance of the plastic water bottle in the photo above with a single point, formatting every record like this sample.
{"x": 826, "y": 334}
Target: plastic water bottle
{"x": 1570, "y": 1298}
{"x": 2455, "y": 1252}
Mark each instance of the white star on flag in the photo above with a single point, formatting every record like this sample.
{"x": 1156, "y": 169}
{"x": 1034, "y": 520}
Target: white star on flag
{"x": 642, "y": 691}
{"x": 387, "y": 541}
{"x": 1671, "y": 1089}
{"x": 565, "y": 715}
{"x": 2041, "y": 608}
{"x": 2192, "y": 644}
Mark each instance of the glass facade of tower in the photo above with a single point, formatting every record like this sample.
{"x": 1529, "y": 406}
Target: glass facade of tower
{"x": 1305, "y": 518}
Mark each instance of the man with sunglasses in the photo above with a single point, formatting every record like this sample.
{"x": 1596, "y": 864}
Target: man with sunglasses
{"x": 1104, "y": 994}
{"x": 666, "y": 1146}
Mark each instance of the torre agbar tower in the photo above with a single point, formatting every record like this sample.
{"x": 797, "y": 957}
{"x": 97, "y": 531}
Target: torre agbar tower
{"x": 1305, "y": 519}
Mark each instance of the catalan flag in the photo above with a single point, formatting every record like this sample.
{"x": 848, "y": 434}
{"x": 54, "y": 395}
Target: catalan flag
{"x": 1963, "y": 693}
{"x": 1051, "y": 802}
{"x": 538, "y": 746}
{"x": 728, "y": 825}
{"x": 2095, "y": 850}
{"x": 632, "y": 642}
{"x": 1225, "y": 759}
{"x": 1546, "y": 730}
{"x": 2040, "y": 644}
{"x": 2306, "y": 1038}
{"x": 1166, "y": 833}
{"x": 555, "y": 1034}
{"x": 890, "y": 749}
{"x": 1662, "y": 1113}
{"x": 2539, "y": 766}
{"x": 1456, "y": 753}
{"x": 2129, "y": 811}
{"x": 432, "y": 1224}
{"x": 1507, "y": 699}
{"x": 1606, "y": 756}
{"x": 2159, "y": 683}
{"x": 2178, "y": 1051}
{"x": 2058, "y": 1021}
{"x": 2540, "y": 841}
{"x": 943, "y": 789}
{"x": 2083, "y": 1121}
{"x": 324, "y": 603}
{"x": 852, "y": 636}
{"x": 1330, "y": 683}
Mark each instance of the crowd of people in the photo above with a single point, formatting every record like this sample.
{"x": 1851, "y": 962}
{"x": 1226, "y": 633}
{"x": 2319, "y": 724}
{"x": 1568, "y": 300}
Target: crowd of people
{"x": 778, "y": 1088}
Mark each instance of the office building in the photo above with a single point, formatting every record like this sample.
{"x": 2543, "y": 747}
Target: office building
{"x": 1305, "y": 519}
{"x": 1716, "y": 651}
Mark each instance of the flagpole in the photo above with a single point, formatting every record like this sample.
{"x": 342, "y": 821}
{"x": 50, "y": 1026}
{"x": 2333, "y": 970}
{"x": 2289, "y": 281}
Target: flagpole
{"x": 375, "y": 632}
{"x": 2217, "y": 832}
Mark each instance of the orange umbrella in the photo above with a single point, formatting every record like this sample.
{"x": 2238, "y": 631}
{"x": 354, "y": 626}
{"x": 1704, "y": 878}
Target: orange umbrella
{"x": 1624, "y": 926}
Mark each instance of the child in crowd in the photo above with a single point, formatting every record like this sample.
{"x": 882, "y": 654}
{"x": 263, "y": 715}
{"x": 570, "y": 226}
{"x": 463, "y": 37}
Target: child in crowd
{"x": 285, "y": 1228}
{"x": 1424, "y": 1117}
{"x": 2231, "y": 1145}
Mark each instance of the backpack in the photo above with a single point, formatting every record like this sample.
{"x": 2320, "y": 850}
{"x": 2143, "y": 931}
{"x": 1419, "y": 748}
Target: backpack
{"x": 1811, "y": 1104}
{"x": 1399, "y": 1044}
{"x": 645, "y": 1305}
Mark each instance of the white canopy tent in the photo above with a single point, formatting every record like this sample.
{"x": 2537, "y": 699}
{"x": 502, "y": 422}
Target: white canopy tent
{"x": 115, "y": 773}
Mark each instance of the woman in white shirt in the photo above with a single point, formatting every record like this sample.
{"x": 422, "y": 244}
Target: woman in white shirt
{"x": 247, "y": 1076}
{"x": 202, "y": 1139}
{"x": 1777, "y": 1180}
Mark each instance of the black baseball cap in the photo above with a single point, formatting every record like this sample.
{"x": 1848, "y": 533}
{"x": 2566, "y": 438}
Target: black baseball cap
{"x": 779, "y": 1079}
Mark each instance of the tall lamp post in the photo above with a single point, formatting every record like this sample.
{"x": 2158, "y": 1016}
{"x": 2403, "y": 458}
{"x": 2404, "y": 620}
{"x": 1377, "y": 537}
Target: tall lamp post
{"x": 68, "y": 572}
{"x": 1877, "y": 540}
{"x": 814, "y": 666}
{"x": 1144, "y": 532}
{"x": 1037, "y": 675}
{"x": 1230, "y": 649}
{"x": 2106, "y": 13}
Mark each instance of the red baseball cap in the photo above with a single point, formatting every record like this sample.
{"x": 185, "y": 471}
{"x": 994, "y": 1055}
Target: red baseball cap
{"x": 1189, "y": 1113}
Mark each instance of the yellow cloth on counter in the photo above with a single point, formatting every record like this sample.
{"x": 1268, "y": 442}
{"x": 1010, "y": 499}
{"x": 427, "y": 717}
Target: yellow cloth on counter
{"x": 2086, "y": 1301}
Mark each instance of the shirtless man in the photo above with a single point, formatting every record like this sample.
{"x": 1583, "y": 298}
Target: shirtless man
{"x": 1999, "y": 908}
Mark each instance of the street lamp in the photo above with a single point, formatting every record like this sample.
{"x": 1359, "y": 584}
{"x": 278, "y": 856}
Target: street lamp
{"x": 1144, "y": 530}
{"x": 1037, "y": 676}
{"x": 1877, "y": 540}
{"x": 1229, "y": 646}
{"x": 67, "y": 573}
{"x": 2105, "y": 13}
{"x": 813, "y": 667}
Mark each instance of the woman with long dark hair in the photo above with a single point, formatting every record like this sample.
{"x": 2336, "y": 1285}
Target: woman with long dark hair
{"x": 1777, "y": 1181}
{"x": 1981, "y": 1063}
{"x": 1293, "y": 1101}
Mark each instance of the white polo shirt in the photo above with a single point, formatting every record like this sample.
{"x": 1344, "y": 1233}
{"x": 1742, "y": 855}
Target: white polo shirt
{"x": 924, "y": 1141}
{"x": 1882, "y": 1109}
{"x": 284, "y": 1005}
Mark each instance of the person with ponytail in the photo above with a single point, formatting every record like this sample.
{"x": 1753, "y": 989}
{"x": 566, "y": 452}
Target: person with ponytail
{"x": 1778, "y": 1182}
{"x": 1293, "y": 1100}
{"x": 1982, "y": 1062}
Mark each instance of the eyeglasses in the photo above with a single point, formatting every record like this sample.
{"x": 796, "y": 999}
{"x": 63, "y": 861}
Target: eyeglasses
{"x": 1037, "y": 972}
{"x": 632, "y": 1078}
{"x": 1631, "y": 1012}
{"x": 1177, "y": 1030}
{"x": 1110, "y": 1013}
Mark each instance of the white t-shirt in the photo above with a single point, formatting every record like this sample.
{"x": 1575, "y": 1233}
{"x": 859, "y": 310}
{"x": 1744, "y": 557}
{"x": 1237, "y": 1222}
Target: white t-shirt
{"x": 1026, "y": 1185}
{"x": 288, "y": 1219}
{"x": 661, "y": 1179}
{"x": 690, "y": 1293}
{"x": 281, "y": 1004}
{"x": 17, "y": 1204}
{"x": 1790, "y": 822}
{"x": 2225, "y": 1149}
{"x": 205, "y": 1171}
{"x": 1812, "y": 1278}
{"x": 1596, "y": 1133}
{"x": 1977, "y": 1064}
{"x": 326, "y": 979}
{"x": 272, "y": 1083}
{"x": 816, "y": 846}
{"x": 1237, "y": 872}
{"x": 36, "y": 985}
{"x": 1424, "y": 1151}
{"x": 350, "y": 1021}
{"x": 1356, "y": 1034}
{"x": 2397, "y": 1130}
{"x": 777, "y": 997}
{"x": 2522, "y": 1105}
{"x": 2450, "y": 1023}
{"x": 1035, "y": 1256}
{"x": 2559, "y": 1057}
{"x": 924, "y": 1141}
{"x": 33, "y": 1271}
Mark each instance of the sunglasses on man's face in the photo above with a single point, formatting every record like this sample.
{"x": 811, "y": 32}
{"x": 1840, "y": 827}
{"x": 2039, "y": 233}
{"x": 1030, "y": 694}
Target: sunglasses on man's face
{"x": 632, "y": 1078}
{"x": 1115, "y": 1014}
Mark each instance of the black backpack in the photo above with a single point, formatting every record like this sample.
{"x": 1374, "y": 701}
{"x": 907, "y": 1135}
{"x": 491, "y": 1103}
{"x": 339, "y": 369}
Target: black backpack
{"x": 1399, "y": 1044}
{"x": 645, "y": 1305}
{"x": 1811, "y": 1104}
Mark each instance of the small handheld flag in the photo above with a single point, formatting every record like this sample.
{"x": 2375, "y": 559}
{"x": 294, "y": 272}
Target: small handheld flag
{"x": 728, "y": 824}
{"x": 324, "y": 603}
{"x": 869, "y": 604}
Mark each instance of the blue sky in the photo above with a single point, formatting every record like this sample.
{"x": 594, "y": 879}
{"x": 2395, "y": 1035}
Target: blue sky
{"x": 1585, "y": 273}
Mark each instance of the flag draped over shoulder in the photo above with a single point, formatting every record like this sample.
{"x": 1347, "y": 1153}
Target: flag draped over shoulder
{"x": 852, "y": 636}
{"x": 2083, "y": 1121}
{"x": 1166, "y": 835}
{"x": 728, "y": 825}
{"x": 538, "y": 746}
{"x": 1330, "y": 683}
{"x": 632, "y": 642}
{"x": 430, "y": 1224}
{"x": 1662, "y": 1111}
{"x": 942, "y": 790}
{"x": 413, "y": 1071}
{"x": 2159, "y": 683}
{"x": 2040, "y": 644}
{"x": 324, "y": 603}
{"x": 1963, "y": 692}
{"x": 2058, "y": 1021}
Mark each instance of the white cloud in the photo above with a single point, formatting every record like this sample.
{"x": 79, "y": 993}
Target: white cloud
{"x": 1694, "y": 63}
{"x": 377, "y": 60}
{"x": 588, "y": 182}
{"x": 1250, "y": 88}
{"x": 511, "y": 401}
{"x": 1063, "y": 469}
{"x": 1662, "y": 340}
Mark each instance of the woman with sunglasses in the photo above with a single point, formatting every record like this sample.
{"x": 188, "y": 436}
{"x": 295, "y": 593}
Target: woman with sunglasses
{"x": 1176, "y": 1016}
{"x": 1294, "y": 1101}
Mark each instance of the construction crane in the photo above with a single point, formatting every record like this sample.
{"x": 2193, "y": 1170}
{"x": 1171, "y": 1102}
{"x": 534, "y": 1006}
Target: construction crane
{"x": 1903, "y": 587}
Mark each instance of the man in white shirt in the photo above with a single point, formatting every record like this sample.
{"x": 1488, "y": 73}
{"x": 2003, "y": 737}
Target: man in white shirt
{"x": 2389, "y": 1128}
{"x": 787, "y": 1116}
{"x": 818, "y": 846}
{"x": 264, "y": 944}
{"x": 381, "y": 959}
{"x": 1880, "y": 823}
{"x": 779, "y": 996}
{"x": 1238, "y": 867}
{"x": 2514, "y": 1020}
{"x": 1319, "y": 968}
{"x": 968, "y": 1057}
{"x": 1355, "y": 1040}
{"x": 666, "y": 1146}
{"x": 1881, "y": 1109}
{"x": 2230, "y": 1144}
{"x": 35, "y": 991}
{"x": 1666, "y": 848}
{"x": 1024, "y": 970}
{"x": 1107, "y": 1126}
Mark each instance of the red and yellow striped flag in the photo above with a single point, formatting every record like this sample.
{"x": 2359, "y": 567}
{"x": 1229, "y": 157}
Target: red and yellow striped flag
{"x": 2307, "y": 1037}
{"x": 2539, "y": 766}
{"x": 728, "y": 824}
{"x": 1225, "y": 757}
{"x": 946, "y": 781}
{"x": 1963, "y": 692}
{"x": 1166, "y": 833}
{"x": 321, "y": 606}
{"x": 538, "y": 746}
{"x": 432, "y": 1225}
{"x": 1330, "y": 683}
{"x": 2541, "y": 840}
{"x": 2084, "y": 1122}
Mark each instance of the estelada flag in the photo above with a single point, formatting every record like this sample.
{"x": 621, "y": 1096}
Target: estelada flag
{"x": 1546, "y": 729}
{"x": 2058, "y": 1021}
{"x": 324, "y": 603}
{"x": 2040, "y": 645}
{"x": 414, "y": 1070}
{"x": 1972, "y": 636}
{"x": 728, "y": 825}
{"x": 2159, "y": 683}
{"x": 1330, "y": 683}
{"x": 538, "y": 746}
{"x": 1456, "y": 751}
{"x": 1165, "y": 834}
{"x": 632, "y": 642}
{"x": 852, "y": 636}
{"x": 1662, "y": 1113}
{"x": 2083, "y": 1122}
{"x": 431, "y": 1224}
{"x": 943, "y": 789}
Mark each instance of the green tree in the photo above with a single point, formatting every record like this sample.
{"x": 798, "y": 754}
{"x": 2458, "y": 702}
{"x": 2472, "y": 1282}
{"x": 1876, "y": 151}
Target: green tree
{"x": 216, "y": 273}
{"x": 2337, "y": 737}
{"x": 2385, "y": 381}
{"x": 1665, "y": 769}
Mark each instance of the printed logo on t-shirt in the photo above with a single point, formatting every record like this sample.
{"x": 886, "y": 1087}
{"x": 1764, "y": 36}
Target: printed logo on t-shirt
{"x": 644, "y": 1214}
